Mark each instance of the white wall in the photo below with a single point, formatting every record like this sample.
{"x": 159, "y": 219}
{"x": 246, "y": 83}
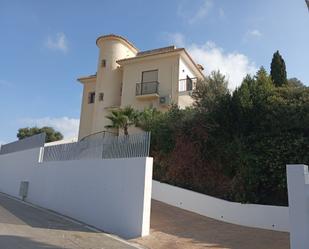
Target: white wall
{"x": 113, "y": 194}
{"x": 63, "y": 141}
{"x": 184, "y": 71}
{"x": 251, "y": 215}
{"x": 298, "y": 191}
{"x": 184, "y": 100}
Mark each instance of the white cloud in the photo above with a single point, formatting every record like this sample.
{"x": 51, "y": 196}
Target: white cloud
{"x": 232, "y": 64}
{"x": 176, "y": 38}
{"x": 59, "y": 42}
{"x": 202, "y": 11}
{"x": 193, "y": 16}
{"x": 67, "y": 126}
{"x": 255, "y": 33}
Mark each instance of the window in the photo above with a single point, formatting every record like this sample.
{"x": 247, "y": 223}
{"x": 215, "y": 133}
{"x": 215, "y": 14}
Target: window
{"x": 101, "y": 96}
{"x": 150, "y": 76}
{"x": 91, "y": 97}
{"x": 103, "y": 63}
{"x": 189, "y": 85}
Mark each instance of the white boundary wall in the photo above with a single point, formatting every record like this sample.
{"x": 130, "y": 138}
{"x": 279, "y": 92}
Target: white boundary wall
{"x": 251, "y": 215}
{"x": 113, "y": 194}
{"x": 298, "y": 190}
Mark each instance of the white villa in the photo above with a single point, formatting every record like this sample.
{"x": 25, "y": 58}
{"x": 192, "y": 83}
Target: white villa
{"x": 129, "y": 77}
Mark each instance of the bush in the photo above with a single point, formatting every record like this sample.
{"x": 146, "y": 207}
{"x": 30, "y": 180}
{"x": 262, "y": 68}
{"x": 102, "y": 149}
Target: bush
{"x": 236, "y": 146}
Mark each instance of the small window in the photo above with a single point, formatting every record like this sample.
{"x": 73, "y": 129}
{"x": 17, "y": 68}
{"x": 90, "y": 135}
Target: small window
{"x": 189, "y": 84}
{"x": 103, "y": 63}
{"x": 91, "y": 97}
{"x": 150, "y": 76}
{"x": 101, "y": 96}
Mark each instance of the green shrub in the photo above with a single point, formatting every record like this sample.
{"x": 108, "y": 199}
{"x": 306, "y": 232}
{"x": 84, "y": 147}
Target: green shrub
{"x": 235, "y": 146}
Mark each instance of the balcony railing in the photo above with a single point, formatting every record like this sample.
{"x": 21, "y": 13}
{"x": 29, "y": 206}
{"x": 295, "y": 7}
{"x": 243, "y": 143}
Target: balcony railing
{"x": 146, "y": 88}
{"x": 187, "y": 84}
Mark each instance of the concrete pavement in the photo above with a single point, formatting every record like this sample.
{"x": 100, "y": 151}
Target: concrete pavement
{"x": 26, "y": 227}
{"x": 174, "y": 228}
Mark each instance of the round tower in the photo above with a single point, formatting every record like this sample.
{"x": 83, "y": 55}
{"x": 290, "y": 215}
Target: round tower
{"x": 109, "y": 77}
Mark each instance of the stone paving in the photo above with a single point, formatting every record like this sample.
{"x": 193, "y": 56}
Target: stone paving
{"x": 175, "y": 228}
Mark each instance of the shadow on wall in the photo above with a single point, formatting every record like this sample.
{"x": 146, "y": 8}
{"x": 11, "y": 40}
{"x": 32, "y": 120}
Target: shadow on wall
{"x": 13, "y": 242}
{"x": 20, "y": 214}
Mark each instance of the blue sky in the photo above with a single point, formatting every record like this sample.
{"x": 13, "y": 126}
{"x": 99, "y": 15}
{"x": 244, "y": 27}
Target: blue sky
{"x": 46, "y": 45}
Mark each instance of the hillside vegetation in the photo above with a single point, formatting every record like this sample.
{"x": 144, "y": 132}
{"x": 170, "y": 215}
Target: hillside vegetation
{"x": 236, "y": 145}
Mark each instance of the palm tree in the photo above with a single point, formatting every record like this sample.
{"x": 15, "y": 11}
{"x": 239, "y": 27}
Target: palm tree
{"x": 148, "y": 118}
{"x": 123, "y": 118}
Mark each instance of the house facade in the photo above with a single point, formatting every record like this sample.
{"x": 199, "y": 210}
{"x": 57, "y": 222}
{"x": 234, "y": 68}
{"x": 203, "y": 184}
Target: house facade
{"x": 129, "y": 77}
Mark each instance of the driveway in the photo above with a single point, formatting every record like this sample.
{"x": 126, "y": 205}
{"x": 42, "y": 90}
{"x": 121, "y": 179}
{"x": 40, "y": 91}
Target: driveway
{"x": 26, "y": 227}
{"x": 175, "y": 228}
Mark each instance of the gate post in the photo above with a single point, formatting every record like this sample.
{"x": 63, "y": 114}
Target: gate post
{"x": 298, "y": 193}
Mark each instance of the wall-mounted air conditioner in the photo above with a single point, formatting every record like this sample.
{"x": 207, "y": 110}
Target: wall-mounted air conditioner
{"x": 165, "y": 100}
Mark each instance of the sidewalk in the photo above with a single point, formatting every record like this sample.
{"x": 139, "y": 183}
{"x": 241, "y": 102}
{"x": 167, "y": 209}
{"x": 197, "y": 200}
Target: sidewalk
{"x": 26, "y": 227}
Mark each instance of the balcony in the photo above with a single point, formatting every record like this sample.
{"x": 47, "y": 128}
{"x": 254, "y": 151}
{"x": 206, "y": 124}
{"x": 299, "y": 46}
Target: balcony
{"x": 186, "y": 86}
{"x": 146, "y": 90}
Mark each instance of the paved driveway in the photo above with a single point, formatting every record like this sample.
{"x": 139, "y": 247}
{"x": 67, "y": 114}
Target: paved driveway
{"x": 26, "y": 227}
{"x": 175, "y": 228}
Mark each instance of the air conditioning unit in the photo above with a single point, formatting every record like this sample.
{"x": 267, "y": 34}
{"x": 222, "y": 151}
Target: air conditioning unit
{"x": 165, "y": 100}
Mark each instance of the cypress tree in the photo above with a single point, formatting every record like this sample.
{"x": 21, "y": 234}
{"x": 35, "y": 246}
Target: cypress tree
{"x": 278, "y": 70}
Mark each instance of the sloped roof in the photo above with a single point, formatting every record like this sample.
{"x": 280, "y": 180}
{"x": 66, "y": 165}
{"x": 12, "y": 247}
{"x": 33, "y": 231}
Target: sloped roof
{"x": 160, "y": 51}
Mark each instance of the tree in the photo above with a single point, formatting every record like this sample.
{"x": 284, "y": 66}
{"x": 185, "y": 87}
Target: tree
{"x": 123, "y": 118}
{"x": 294, "y": 82}
{"x": 263, "y": 78}
{"x": 147, "y": 118}
{"x": 234, "y": 147}
{"x": 51, "y": 134}
{"x": 278, "y": 70}
{"x": 209, "y": 91}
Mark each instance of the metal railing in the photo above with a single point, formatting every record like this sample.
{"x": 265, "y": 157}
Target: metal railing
{"x": 34, "y": 141}
{"x": 136, "y": 145}
{"x": 147, "y": 88}
{"x": 99, "y": 135}
{"x": 187, "y": 84}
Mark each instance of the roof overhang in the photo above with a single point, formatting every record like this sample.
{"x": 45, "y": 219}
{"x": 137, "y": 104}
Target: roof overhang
{"x": 87, "y": 79}
{"x": 178, "y": 51}
{"x": 186, "y": 56}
